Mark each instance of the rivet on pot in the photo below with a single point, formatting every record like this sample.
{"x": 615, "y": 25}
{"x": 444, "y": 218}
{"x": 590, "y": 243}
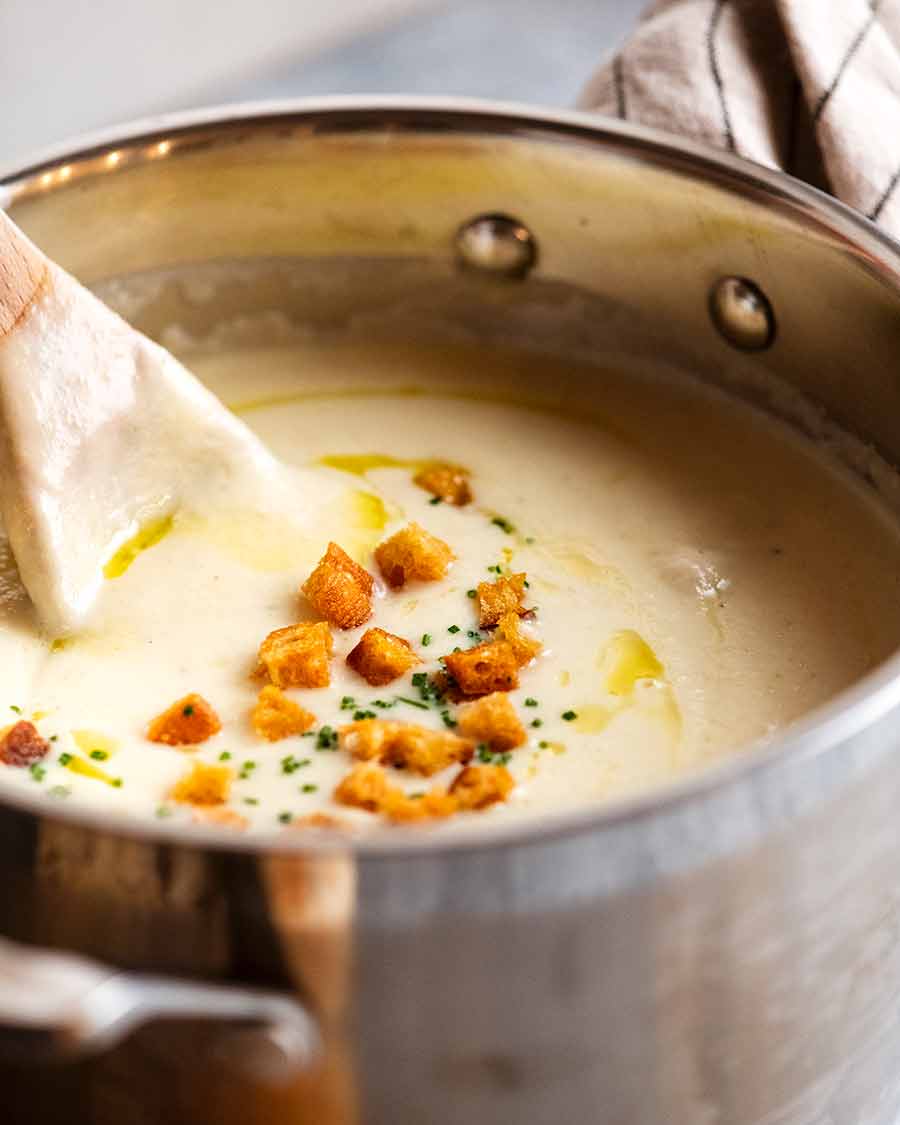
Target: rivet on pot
{"x": 742, "y": 313}
{"x": 497, "y": 245}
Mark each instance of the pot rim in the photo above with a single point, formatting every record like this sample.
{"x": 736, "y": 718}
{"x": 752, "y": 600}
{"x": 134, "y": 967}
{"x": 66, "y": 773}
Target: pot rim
{"x": 825, "y": 728}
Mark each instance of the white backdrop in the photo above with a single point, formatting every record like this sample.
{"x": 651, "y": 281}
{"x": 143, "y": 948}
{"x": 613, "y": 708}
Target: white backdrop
{"x": 67, "y": 66}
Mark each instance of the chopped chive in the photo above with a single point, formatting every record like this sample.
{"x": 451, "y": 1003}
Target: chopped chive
{"x": 503, "y": 524}
{"x": 65, "y": 758}
{"x": 436, "y": 500}
{"x": 472, "y": 633}
{"x": 308, "y": 788}
{"x": 358, "y": 715}
{"x": 417, "y": 796}
{"x": 37, "y": 771}
{"x": 59, "y": 791}
{"x": 246, "y": 770}
{"x": 163, "y": 811}
{"x": 529, "y": 539}
{"x": 308, "y": 734}
{"x": 497, "y": 569}
{"x": 449, "y": 721}
{"x": 13, "y": 707}
{"x": 485, "y": 755}
{"x": 251, "y": 800}
{"x": 285, "y": 817}
{"x": 99, "y": 755}
{"x": 537, "y": 722}
{"x": 289, "y": 764}
{"x": 569, "y": 715}
{"x": 471, "y": 593}
{"x": 327, "y": 739}
{"x": 452, "y": 628}
{"x": 188, "y": 709}
{"x": 117, "y": 783}
{"x": 531, "y": 701}
{"x": 543, "y": 745}
{"x": 225, "y": 756}
{"x": 54, "y": 737}
{"x": 411, "y": 702}
{"x": 348, "y": 703}
{"x": 384, "y": 704}
{"x": 527, "y": 584}
{"x": 426, "y": 639}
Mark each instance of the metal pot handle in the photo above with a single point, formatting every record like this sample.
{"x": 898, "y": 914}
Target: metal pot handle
{"x": 58, "y": 1005}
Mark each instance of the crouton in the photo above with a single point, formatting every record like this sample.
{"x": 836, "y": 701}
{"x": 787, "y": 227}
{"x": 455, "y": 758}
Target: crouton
{"x": 493, "y": 721}
{"x": 380, "y": 657}
{"x": 413, "y": 554}
{"x": 525, "y": 648}
{"x": 367, "y": 787}
{"x": 186, "y": 723}
{"x": 407, "y": 745}
{"x": 319, "y": 820}
{"x": 297, "y": 656}
{"x": 435, "y": 804}
{"x": 21, "y": 745}
{"x": 340, "y": 589}
{"x": 221, "y": 817}
{"x": 496, "y": 599}
{"x": 275, "y": 716}
{"x": 477, "y": 787}
{"x": 485, "y": 668}
{"x": 204, "y": 785}
{"x": 449, "y": 482}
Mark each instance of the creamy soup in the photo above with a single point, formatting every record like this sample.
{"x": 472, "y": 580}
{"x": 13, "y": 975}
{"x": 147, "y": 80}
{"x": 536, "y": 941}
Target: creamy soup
{"x": 695, "y": 578}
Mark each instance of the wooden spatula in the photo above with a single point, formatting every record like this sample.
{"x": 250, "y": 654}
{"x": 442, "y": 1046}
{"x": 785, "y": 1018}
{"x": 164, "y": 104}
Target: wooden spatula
{"x": 101, "y": 430}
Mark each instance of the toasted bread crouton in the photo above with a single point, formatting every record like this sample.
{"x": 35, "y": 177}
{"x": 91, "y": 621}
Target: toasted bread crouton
{"x": 525, "y": 648}
{"x": 275, "y": 716}
{"x": 367, "y": 787}
{"x": 203, "y": 785}
{"x": 220, "y": 816}
{"x": 413, "y": 554}
{"x": 22, "y": 745}
{"x": 297, "y": 655}
{"x": 450, "y": 482}
{"x": 340, "y": 589}
{"x": 189, "y": 721}
{"x": 493, "y": 721}
{"x": 407, "y": 745}
{"x": 405, "y": 809}
{"x": 381, "y": 657}
{"x": 485, "y": 668}
{"x": 320, "y": 820}
{"x": 496, "y": 599}
{"x": 477, "y": 787}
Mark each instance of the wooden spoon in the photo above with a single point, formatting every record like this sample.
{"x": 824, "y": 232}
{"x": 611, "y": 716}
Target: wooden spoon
{"x": 101, "y": 430}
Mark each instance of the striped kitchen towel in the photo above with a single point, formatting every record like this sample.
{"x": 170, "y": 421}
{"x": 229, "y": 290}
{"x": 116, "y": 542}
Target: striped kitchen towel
{"x": 809, "y": 86}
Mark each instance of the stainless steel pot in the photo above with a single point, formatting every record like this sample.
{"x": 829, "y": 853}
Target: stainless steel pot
{"x": 724, "y": 952}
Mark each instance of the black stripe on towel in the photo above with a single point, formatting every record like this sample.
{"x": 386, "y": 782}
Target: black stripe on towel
{"x": 855, "y": 45}
{"x": 875, "y": 213}
{"x": 619, "y": 83}
{"x": 712, "y": 55}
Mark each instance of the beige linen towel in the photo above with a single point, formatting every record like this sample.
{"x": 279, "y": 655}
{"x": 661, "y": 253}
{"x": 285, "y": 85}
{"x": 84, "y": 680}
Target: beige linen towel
{"x": 809, "y": 86}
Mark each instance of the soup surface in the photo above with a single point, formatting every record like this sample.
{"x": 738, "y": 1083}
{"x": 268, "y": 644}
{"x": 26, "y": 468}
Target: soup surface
{"x": 695, "y": 578}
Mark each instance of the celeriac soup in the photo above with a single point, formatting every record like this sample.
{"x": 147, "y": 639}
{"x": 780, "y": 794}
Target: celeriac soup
{"x": 512, "y": 585}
